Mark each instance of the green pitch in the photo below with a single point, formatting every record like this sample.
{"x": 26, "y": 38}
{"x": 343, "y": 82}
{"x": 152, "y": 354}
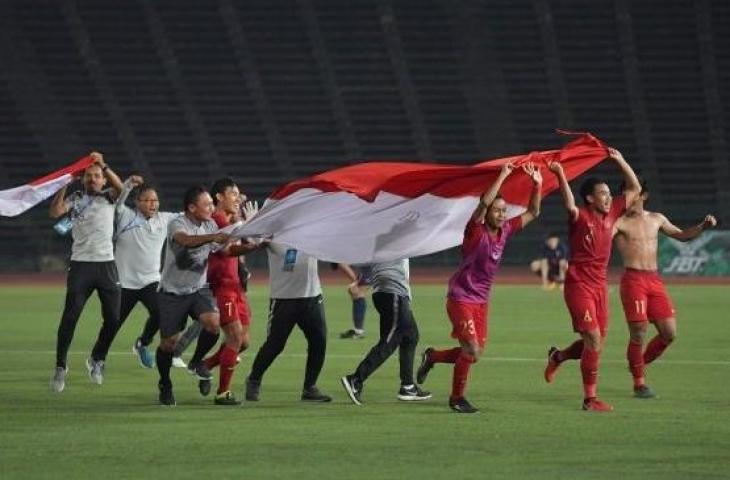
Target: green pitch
{"x": 527, "y": 429}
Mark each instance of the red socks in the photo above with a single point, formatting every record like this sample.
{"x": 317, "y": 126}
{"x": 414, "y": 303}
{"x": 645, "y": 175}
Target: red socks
{"x": 589, "y": 370}
{"x": 656, "y": 347}
{"x": 215, "y": 359}
{"x": 635, "y": 356}
{"x": 461, "y": 373}
{"x": 445, "y": 356}
{"x": 228, "y": 365}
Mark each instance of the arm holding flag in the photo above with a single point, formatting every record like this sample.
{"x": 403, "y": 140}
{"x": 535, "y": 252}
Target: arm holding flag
{"x": 492, "y": 192}
{"x": 533, "y": 209}
{"x": 565, "y": 191}
{"x": 633, "y": 186}
{"x": 112, "y": 178}
{"x": 58, "y": 206}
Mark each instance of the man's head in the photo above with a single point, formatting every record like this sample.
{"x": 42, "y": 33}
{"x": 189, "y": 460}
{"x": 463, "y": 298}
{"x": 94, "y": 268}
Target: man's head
{"x": 198, "y": 204}
{"x": 496, "y": 213}
{"x": 552, "y": 241}
{"x": 93, "y": 179}
{"x": 147, "y": 201}
{"x": 596, "y": 195}
{"x": 638, "y": 204}
{"x": 226, "y": 196}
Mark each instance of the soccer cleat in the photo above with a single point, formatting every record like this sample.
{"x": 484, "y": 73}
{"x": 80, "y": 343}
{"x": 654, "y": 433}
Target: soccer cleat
{"x": 552, "y": 365}
{"x": 253, "y": 388}
{"x": 58, "y": 380}
{"x": 200, "y": 371}
{"x": 145, "y": 357}
{"x": 644, "y": 391}
{"x": 461, "y": 405}
{"x": 226, "y": 398}
{"x": 413, "y": 394}
{"x": 166, "y": 396}
{"x": 425, "y": 366}
{"x": 96, "y": 370}
{"x": 312, "y": 394}
{"x": 353, "y": 387}
{"x": 353, "y": 334}
{"x": 595, "y": 405}
{"x": 204, "y": 387}
{"x": 178, "y": 362}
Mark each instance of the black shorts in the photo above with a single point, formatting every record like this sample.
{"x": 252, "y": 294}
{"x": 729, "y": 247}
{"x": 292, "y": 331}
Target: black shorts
{"x": 175, "y": 309}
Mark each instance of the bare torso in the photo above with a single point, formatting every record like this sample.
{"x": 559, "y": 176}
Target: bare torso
{"x": 637, "y": 239}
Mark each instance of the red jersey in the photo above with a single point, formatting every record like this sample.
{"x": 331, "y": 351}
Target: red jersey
{"x": 590, "y": 237}
{"x": 222, "y": 268}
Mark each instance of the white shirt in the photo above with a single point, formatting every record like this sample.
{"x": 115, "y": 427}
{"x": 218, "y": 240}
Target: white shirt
{"x": 139, "y": 243}
{"x": 292, "y": 274}
{"x": 185, "y": 269}
{"x": 93, "y": 227}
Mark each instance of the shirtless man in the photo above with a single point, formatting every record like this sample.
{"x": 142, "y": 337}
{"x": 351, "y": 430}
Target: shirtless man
{"x": 642, "y": 293}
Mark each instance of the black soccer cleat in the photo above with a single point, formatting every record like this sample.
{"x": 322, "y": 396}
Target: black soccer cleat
{"x": 460, "y": 405}
{"x": 312, "y": 394}
{"x": 353, "y": 387}
{"x": 253, "y": 389}
{"x": 166, "y": 396}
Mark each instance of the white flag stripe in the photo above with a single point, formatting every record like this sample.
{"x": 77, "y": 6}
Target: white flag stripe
{"x": 340, "y": 227}
{"x": 15, "y": 201}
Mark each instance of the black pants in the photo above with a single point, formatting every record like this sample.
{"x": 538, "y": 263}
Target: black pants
{"x": 398, "y": 329}
{"x": 148, "y": 296}
{"x": 83, "y": 278}
{"x": 307, "y": 314}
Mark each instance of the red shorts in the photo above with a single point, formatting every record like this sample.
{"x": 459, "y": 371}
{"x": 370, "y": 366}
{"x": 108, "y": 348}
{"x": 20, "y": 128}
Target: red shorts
{"x": 233, "y": 307}
{"x": 588, "y": 306}
{"x": 468, "y": 320}
{"x": 644, "y": 297}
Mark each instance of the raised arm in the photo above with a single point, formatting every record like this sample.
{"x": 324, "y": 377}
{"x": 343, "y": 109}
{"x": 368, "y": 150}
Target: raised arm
{"x": 58, "y": 205}
{"x": 491, "y": 193}
{"x": 112, "y": 178}
{"x": 565, "y": 191}
{"x": 632, "y": 186}
{"x": 673, "y": 231}
{"x": 533, "y": 209}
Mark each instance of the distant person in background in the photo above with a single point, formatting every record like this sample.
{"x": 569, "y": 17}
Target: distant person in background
{"x": 91, "y": 221}
{"x": 642, "y": 292}
{"x": 357, "y": 289}
{"x": 552, "y": 263}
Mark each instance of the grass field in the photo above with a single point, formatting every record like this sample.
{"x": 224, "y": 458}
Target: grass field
{"x": 527, "y": 429}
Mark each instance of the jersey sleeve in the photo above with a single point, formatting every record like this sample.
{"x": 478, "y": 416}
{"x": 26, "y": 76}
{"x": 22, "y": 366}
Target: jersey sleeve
{"x": 472, "y": 231}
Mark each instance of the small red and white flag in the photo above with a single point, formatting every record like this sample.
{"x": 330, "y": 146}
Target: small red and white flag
{"x": 381, "y": 211}
{"x": 15, "y": 201}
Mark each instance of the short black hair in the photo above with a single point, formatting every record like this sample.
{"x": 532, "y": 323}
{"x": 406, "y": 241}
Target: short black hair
{"x": 191, "y": 196}
{"x": 220, "y": 186}
{"x": 588, "y": 186}
{"x": 145, "y": 187}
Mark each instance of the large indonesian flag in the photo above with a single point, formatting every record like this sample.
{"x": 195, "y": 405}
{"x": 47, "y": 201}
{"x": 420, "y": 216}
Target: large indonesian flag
{"x": 379, "y": 211}
{"x": 15, "y": 201}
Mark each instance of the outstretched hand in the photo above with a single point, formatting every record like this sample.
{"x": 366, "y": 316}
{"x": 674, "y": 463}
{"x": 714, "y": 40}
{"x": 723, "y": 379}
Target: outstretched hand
{"x": 709, "y": 222}
{"x": 615, "y": 154}
{"x": 533, "y": 172}
{"x": 249, "y": 210}
{"x": 556, "y": 168}
{"x": 507, "y": 168}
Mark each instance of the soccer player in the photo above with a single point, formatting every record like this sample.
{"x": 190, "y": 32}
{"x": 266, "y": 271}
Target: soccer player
{"x": 553, "y": 262}
{"x": 183, "y": 284}
{"x": 398, "y": 330}
{"x": 296, "y": 299}
{"x": 235, "y": 313}
{"x": 139, "y": 238}
{"x": 357, "y": 289}
{"x": 485, "y": 237}
{"x": 586, "y": 288}
{"x": 92, "y": 265}
{"x": 642, "y": 292}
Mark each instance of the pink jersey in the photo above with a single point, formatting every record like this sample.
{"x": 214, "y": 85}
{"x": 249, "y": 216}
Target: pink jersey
{"x": 482, "y": 255}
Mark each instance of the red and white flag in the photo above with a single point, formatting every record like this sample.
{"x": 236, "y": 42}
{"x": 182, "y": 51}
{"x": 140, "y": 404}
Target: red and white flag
{"x": 380, "y": 211}
{"x": 15, "y": 201}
